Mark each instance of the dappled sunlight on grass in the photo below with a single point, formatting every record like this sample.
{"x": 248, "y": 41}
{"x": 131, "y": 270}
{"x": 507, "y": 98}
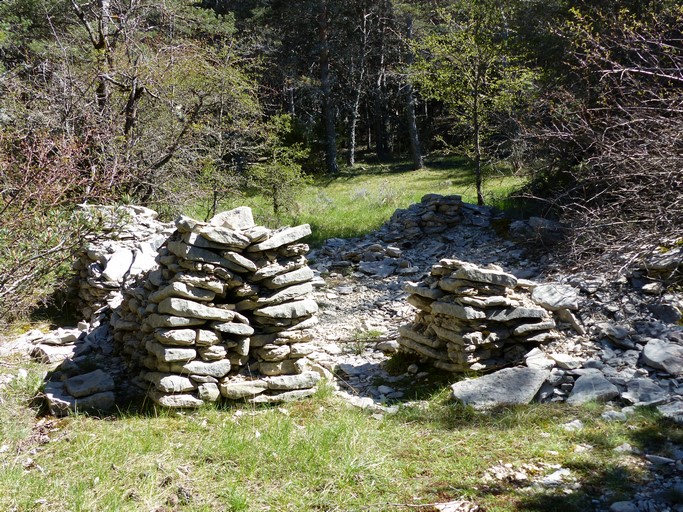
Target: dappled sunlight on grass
{"x": 359, "y": 200}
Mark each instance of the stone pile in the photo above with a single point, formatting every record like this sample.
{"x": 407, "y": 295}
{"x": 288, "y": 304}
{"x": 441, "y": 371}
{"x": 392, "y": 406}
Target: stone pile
{"x": 482, "y": 318}
{"x": 432, "y": 215}
{"x": 226, "y": 313}
{"x": 124, "y": 251}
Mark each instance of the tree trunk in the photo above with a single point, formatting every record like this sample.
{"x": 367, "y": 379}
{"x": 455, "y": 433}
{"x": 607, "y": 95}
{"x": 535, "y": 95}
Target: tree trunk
{"x": 325, "y": 86}
{"x": 415, "y": 150}
{"x": 355, "y": 107}
{"x": 476, "y": 126}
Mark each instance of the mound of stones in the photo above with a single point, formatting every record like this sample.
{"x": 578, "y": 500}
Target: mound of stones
{"x": 125, "y": 250}
{"x": 226, "y": 314}
{"x": 482, "y": 318}
{"x": 434, "y": 214}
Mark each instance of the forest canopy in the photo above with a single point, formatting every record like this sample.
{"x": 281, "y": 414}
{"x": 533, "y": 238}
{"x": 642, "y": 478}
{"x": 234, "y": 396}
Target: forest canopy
{"x": 176, "y": 104}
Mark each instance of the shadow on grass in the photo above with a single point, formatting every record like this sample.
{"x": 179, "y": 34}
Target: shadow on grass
{"x": 459, "y": 168}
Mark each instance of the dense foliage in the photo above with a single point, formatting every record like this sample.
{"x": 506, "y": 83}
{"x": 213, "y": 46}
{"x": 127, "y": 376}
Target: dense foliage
{"x": 180, "y": 104}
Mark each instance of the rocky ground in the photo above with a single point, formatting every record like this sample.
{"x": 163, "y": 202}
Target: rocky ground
{"x": 627, "y": 348}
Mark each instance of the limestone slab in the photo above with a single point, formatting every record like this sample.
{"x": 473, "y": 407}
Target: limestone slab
{"x": 592, "y": 387}
{"x": 170, "y": 383}
{"x": 243, "y": 389}
{"x": 555, "y": 296}
{"x": 90, "y": 383}
{"x": 182, "y": 291}
{"x": 176, "y": 337}
{"x": 216, "y": 369}
{"x": 118, "y": 266}
{"x": 664, "y": 356}
{"x": 509, "y": 386}
{"x": 190, "y": 309}
{"x": 237, "y": 329}
{"x": 160, "y": 321}
{"x": 225, "y": 236}
{"x": 282, "y": 237}
{"x": 304, "y": 380}
{"x": 240, "y": 218}
{"x": 180, "y": 401}
{"x": 297, "y": 276}
{"x": 170, "y": 354}
{"x": 297, "y": 309}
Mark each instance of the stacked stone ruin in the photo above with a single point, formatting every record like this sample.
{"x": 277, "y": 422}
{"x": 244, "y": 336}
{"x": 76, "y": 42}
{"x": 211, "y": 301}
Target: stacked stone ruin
{"x": 435, "y": 214}
{"x": 125, "y": 250}
{"x": 226, "y": 314}
{"x": 481, "y": 318}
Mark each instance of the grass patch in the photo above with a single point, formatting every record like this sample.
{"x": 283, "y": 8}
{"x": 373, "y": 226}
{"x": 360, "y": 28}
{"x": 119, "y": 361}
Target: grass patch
{"x": 318, "y": 454}
{"x": 360, "y": 200}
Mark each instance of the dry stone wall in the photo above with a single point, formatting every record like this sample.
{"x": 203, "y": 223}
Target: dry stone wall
{"x": 127, "y": 250}
{"x": 226, "y": 314}
{"x": 482, "y": 318}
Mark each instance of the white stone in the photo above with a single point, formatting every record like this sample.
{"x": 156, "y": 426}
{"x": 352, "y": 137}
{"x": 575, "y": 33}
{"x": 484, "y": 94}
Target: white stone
{"x": 170, "y": 383}
{"x": 282, "y": 237}
{"x": 170, "y": 354}
{"x": 237, "y": 219}
{"x": 234, "y": 328}
{"x": 505, "y": 387}
{"x": 190, "y": 309}
{"x": 89, "y": 383}
{"x": 118, "y": 266}
{"x": 182, "y": 291}
{"x": 592, "y": 387}
{"x": 555, "y": 296}
{"x": 216, "y": 369}
{"x": 182, "y": 401}
{"x": 296, "y": 309}
{"x": 178, "y": 337}
{"x": 243, "y": 389}
{"x": 664, "y": 356}
{"x": 208, "y": 392}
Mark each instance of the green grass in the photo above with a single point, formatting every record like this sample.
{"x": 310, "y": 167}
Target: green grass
{"x": 318, "y": 454}
{"x": 361, "y": 199}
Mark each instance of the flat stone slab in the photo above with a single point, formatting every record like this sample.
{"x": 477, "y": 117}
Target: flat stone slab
{"x": 238, "y": 219}
{"x": 61, "y": 403}
{"x": 244, "y": 389}
{"x": 52, "y": 354}
{"x": 176, "y": 337}
{"x": 643, "y": 390}
{"x": 237, "y": 329}
{"x": 672, "y": 410}
{"x": 170, "y": 354}
{"x": 90, "y": 383}
{"x": 182, "y": 291}
{"x": 216, "y": 369}
{"x": 118, "y": 265}
{"x": 287, "y": 396}
{"x": 156, "y": 321}
{"x": 457, "y": 311}
{"x": 510, "y": 386}
{"x": 297, "y": 309}
{"x": 664, "y": 356}
{"x": 169, "y": 383}
{"x": 280, "y": 266}
{"x": 282, "y": 237}
{"x": 224, "y": 236}
{"x": 555, "y": 297}
{"x": 182, "y": 401}
{"x": 190, "y": 309}
{"x": 592, "y": 387}
{"x": 297, "y": 276}
{"x": 474, "y": 273}
{"x": 304, "y": 380}
{"x": 193, "y": 253}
